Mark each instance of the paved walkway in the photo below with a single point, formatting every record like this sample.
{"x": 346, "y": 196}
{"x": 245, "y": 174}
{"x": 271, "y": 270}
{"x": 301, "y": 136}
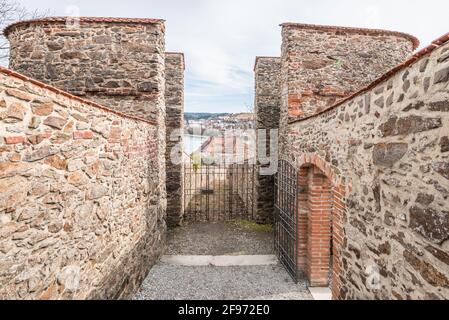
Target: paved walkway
{"x": 220, "y": 261}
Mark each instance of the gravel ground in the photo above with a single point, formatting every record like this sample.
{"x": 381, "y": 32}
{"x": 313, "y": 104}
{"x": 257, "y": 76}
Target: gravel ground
{"x": 170, "y": 282}
{"x": 167, "y": 282}
{"x": 221, "y": 238}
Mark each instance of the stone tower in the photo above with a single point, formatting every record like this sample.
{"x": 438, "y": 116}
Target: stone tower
{"x": 322, "y": 64}
{"x": 117, "y": 62}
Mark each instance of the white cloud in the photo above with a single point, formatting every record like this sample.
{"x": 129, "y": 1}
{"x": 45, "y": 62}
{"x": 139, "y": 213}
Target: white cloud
{"x": 220, "y": 39}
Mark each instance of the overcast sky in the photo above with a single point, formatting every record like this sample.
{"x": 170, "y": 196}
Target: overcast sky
{"x": 221, "y": 38}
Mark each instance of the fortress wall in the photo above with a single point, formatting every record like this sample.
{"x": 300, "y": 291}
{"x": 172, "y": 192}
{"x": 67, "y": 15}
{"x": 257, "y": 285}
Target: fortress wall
{"x": 82, "y": 204}
{"x": 389, "y": 147}
{"x": 322, "y": 64}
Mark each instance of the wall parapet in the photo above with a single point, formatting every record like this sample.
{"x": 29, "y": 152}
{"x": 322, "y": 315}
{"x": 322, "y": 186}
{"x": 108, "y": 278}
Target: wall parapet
{"x": 415, "y": 57}
{"x": 364, "y": 31}
{"x": 72, "y": 56}
{"x": 323, "y": 64}
{"x": 390, "y": 144}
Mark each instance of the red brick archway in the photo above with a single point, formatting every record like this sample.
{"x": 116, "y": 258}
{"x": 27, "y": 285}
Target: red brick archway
{"x": 320, "y": 223}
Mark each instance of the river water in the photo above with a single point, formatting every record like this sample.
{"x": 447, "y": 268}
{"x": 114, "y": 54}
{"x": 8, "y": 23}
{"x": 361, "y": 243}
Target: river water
{"x": 193, "y": 143}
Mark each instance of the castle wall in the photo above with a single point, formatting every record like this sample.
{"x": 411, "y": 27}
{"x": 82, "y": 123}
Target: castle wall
{"x": 82, "y": 202}
{"x": 267, "y": 112}
{"x": 174, "y": 99}
{"x": 389, "y": 145}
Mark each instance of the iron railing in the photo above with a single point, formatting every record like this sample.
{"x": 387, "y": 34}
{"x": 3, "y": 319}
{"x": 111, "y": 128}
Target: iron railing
{"x": 219, "y": 191}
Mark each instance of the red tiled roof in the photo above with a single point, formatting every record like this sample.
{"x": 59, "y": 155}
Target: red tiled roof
{"x": 42, "y": 85}
{"x": 181, "y": 54}
{"x": 8, "y": 29}
{"x": 263, "y": 57}
{"x": 417, "y": 56}
{"x": 373, "y": 32}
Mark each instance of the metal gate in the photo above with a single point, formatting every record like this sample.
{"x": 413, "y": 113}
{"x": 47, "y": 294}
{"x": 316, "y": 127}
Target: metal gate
{"x": 286, "y": 217}
{"x": 219, "y": 192}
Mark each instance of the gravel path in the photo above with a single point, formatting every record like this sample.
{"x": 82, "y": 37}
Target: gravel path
{"x": 167, "y": 282}
{"x": 221, "y": 238}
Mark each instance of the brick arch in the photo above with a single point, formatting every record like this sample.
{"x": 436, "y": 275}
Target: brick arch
{"x": 320, "y": 222}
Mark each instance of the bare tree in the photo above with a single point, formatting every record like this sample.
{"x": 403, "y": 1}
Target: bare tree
{"x": 12, "y": 11}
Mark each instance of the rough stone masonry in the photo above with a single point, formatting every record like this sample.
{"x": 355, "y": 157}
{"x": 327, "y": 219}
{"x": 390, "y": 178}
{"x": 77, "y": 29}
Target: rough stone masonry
{"x": 267, "y": 108}
{"x": 83, "y": 202}
{"x": 174, "y": 100}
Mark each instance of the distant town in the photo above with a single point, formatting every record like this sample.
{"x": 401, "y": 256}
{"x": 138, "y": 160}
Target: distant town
{"x": 213, "y": 134}
{"x": 212, "y": 124}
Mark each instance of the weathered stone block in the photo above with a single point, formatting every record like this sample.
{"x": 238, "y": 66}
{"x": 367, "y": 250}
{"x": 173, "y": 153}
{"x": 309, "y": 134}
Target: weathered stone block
{"x": 430, "y": 223}
{"x": 427, "y": 271}
{"x": 439, "y": 106}
{"x": 40, "y": 153}
{"x": 19, "y": 94}
{"x": 442, "y": 76}
{"x": 407, "y": 125}
{"x": 55, "y": 122}
{"x": 387, "y": 155}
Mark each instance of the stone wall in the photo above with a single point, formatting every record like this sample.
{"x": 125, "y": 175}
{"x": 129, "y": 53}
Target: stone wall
{"x": 322, "y": 64}
{"x": 116, "y": 62}
{"x": 82, "y": 202}
{"x": 174, "y": 99}
{"x": 386, "y": 152}
{"x": 267, "y": 111}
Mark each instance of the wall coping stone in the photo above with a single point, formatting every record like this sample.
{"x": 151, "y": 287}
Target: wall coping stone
{"x": 42, "y": 85}
{"x": 366, "y": 31}
{"x": 414, "y": 58}
{"x": 113, "y": 20}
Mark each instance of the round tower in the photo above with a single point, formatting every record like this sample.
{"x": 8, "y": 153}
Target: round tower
{"x": 117, "y": 62}
{"x": 322, "y": 64}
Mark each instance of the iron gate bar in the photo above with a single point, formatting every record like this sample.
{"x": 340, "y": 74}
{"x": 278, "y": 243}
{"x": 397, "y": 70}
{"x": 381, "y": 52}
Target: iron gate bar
{"x": 286, "y": 217}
